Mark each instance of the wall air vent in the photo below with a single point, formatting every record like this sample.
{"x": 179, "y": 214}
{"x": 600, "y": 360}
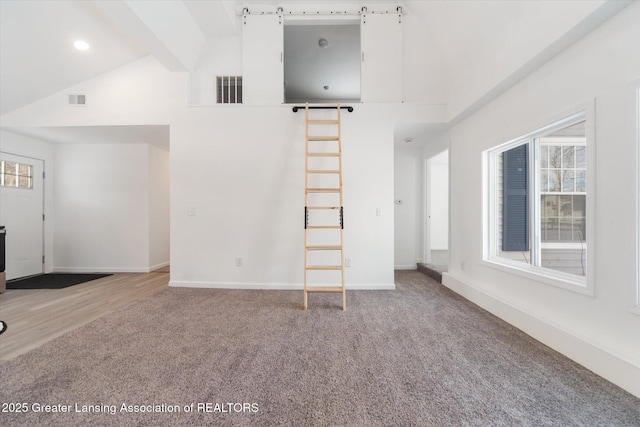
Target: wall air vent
{"x": 77, "y": 99}
{"x": 229, "y": 89}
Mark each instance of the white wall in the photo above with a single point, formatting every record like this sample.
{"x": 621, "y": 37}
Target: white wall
{"x": 139, "y": 93}
{"x": 507, "y": 51}
{"x": 600, "y": 332}
{"x": 25, "y": 146}
{"x": 102, "y": 208}
{"x": 221, "y": 56}
{"x": 159, "y": 205}
{"x": 439, "y": 201}
{"x": 241, "y": 169}
{"x": 142, "y": 92}
{"x": 408, "y": 215}
{"x": 245, "y": 184}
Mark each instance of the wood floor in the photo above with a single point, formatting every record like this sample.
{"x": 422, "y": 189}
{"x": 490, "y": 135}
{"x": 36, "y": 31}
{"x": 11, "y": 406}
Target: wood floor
{"x": 37, "y": 316}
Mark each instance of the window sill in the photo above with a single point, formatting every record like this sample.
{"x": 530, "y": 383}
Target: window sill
{"x": 542, "y": 275}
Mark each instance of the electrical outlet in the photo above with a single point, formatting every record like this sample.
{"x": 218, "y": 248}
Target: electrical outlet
{"x": 238, "y": 262}
{"x": 191, "y": 210}
{"x": 347, "y": 262}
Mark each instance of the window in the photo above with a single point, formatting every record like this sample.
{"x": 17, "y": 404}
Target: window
{"x": 16, "y": 175}
{"x": 537, "y": 202}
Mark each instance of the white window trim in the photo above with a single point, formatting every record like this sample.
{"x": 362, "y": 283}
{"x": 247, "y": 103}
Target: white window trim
{"x": 574, "y": 283}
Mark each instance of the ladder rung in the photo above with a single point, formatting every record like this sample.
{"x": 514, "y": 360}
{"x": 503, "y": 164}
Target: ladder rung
{"x": 322, "y": 138}
{"x": 323, "y": 289}
{"x": 323, "y": 207}
{"x": 322, "y": 122}
{"x": 324, "y": 248}
{"x": 324, "y": 267}
{"x": 323, "y": 154}
{"x": 325, "y": 227}
{"x": 323, "y": 190}
{"x": 323, "y": 171}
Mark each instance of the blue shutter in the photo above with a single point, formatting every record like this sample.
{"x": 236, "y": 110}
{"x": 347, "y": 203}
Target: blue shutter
{"x": 515, "y": 208}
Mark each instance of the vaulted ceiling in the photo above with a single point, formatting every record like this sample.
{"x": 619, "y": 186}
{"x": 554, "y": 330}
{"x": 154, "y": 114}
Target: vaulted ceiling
{"x": 480, "y": 45}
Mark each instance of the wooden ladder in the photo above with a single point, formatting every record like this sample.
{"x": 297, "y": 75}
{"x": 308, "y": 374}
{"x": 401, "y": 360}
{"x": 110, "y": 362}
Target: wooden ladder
{"x": 324, "y": 220}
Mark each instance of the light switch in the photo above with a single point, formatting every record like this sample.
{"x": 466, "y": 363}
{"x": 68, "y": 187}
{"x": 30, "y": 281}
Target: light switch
{"x": 191, "y": 211}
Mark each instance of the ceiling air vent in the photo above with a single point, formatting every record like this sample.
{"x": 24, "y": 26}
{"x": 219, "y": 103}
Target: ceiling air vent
{"x": 77, "y": 99}
{"x": 229, "y": 89}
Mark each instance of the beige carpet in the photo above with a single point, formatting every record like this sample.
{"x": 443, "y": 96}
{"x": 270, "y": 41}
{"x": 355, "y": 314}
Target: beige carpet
{"x": 416, "y": 356}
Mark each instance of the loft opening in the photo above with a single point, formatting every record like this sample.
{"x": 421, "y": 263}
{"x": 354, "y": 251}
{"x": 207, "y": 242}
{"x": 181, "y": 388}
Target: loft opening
{"x": 322, "y": 59}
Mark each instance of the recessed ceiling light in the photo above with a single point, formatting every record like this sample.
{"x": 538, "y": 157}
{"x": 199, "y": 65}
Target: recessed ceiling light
{"x": 409, "y": 139}
{"x": 323, "y": 43}
{"x": 326, "y": 88}
{"x": 81, "y": 45}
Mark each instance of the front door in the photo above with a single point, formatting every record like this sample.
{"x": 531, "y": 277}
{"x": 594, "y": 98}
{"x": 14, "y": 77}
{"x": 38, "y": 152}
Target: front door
{"x": 22, "y": 213}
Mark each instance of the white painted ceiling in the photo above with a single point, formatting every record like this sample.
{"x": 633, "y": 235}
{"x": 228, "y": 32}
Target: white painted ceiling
{"x": 37, "y": 57}
{"x": 472, "y": 38}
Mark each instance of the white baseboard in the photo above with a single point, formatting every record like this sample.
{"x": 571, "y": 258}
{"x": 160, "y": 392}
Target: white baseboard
{"x": 100, "y": 270}
{"x": 406, "y": 267}
{"x": 158, "y": 266}
{"x": 109, "y": 269}
{"x": 273, "y": 286}
{"x": 604, "y": 362}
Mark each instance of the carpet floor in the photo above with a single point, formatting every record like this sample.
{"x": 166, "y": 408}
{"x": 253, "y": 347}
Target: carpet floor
{"x": 417, "y": 356}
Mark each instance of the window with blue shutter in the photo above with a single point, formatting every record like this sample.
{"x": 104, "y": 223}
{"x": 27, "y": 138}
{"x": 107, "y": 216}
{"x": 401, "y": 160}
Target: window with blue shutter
{"x": 515, "y": 198}
{"x": 538, "y": 204}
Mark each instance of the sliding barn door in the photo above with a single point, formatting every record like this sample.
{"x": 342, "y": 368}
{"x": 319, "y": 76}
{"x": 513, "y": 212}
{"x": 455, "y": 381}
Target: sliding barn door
{"x": 262, "y": 56}
{"x": 381, "y": 38}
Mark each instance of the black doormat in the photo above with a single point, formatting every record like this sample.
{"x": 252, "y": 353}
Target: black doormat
{"x": 52, "y": 281}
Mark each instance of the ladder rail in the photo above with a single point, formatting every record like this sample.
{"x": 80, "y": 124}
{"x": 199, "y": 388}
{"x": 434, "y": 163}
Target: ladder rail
{"x": 339, "y": 248}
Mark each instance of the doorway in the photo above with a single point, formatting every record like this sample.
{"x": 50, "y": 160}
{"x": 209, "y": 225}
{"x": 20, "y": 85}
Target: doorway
{"x": 436, "y": 244}
{"x": 22, "y": 213}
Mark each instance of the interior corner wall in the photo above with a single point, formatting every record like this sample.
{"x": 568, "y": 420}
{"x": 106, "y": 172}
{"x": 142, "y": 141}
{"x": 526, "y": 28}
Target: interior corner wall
{"x": 101, "y": 208}
{"x": 29, "y": 147}
{"x": 408, "y": 200}
{"x": 159, "y": 178}
{"x": 600, "y": 331}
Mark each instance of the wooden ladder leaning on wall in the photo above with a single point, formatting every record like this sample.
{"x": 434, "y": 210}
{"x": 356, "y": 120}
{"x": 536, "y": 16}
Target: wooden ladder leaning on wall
{"x": 323, "y": 219}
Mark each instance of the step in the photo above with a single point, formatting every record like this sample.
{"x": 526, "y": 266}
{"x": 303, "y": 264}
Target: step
{"x": 323, "y": 190}
{"x": 322, "y": 137}
{"x": 324, "y": 248}
{"x": 324, "y": 267}
{"x": 323, "y": 207}
{"x": 323, "y": 227}
{"x": 322, "y": 122}
{"x": 323, "y": 289}
{"x": 323, "y": 171}
{"x": 323, "y": 154}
